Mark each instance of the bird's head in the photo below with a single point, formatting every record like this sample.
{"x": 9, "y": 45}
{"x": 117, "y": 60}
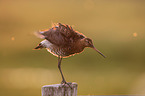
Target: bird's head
{"x": 87, "y": 42}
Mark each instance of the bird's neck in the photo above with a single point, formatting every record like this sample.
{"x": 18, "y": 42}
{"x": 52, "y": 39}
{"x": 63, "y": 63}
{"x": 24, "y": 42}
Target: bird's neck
{"x": 79, "y": 46}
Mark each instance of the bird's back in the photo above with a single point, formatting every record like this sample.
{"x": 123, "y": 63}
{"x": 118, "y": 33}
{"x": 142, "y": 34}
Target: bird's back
{"x": 62, "y": 35}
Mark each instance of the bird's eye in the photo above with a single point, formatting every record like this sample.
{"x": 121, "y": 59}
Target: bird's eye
{"x": 87, "y": 41}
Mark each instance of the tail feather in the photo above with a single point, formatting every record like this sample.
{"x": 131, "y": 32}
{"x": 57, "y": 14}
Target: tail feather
{"x": 39, "y": 46}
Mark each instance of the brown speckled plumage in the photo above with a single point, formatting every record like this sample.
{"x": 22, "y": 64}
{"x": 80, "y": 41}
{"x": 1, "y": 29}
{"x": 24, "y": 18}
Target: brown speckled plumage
{"x": 65, "y": 40}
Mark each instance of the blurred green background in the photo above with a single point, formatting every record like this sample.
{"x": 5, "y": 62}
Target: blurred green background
{"x": 117, "y": 28}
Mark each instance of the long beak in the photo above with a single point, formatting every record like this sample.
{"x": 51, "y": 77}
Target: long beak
{"x": 99, "y": 52}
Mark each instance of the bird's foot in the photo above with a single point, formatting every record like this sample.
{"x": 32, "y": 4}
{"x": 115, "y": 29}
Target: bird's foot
{"x": 64, "y": 83}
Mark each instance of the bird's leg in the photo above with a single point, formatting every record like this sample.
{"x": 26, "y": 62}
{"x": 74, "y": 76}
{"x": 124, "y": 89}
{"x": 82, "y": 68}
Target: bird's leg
{"x": 59, "y": 67}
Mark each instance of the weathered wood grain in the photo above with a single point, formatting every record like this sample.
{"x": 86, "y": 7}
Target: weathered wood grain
{"x": 60, "y": 90}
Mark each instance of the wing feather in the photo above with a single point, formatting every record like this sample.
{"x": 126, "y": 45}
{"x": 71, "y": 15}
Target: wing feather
{"x": 61, "y": 35}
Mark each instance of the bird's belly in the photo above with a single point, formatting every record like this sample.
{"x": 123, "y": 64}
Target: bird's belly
{"x": 62, "y": 51}
{"x": 53, "y": 49}
{"x": 58, "y": 51}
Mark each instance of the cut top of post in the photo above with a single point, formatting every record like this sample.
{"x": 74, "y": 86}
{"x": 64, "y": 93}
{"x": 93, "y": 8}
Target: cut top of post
{"x": 60, "y": 90}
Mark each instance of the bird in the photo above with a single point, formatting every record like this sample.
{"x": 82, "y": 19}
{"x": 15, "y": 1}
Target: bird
{"x": 63, "y": 41}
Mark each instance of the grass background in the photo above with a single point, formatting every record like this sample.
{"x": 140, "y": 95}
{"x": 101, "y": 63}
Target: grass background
{"x": 117, "y": 28}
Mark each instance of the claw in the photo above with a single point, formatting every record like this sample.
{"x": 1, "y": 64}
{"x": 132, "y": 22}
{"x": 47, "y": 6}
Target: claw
{"x": 64, "y": 83}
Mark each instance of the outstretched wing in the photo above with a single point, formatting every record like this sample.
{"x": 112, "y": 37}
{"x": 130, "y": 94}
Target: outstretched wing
{"x": 61, "y": 35}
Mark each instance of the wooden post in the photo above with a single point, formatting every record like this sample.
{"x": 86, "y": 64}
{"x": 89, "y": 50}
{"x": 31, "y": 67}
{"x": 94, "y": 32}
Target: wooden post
{"x": 59, "y": 90}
